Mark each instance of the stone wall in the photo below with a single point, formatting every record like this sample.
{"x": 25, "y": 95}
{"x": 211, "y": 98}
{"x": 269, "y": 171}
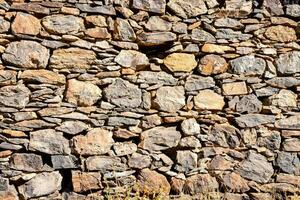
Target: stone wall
{"x": 152, "y": 96}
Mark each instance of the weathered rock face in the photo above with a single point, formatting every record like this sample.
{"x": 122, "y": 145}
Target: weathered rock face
{"x": 99, "y": 99}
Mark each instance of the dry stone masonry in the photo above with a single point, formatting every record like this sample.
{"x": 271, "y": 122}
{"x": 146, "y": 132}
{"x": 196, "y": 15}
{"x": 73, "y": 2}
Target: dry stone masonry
{"x": 175, "y": 97}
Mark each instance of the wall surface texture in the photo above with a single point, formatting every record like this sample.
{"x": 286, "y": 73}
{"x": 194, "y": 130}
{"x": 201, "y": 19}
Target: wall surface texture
{"x": 100, "y": 98}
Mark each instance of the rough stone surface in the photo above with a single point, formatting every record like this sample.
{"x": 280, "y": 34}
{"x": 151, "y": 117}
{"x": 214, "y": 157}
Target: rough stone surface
{"x": 43, "y": 76}
{"x": 180, "y": 62}
{"x": 208, "y": 100}
{"x": 281, "y": 33}
{"x": 14, "y": 96}
{"x": 131, "y": 58}
{"x": 187, "y": 9}
{"x": 26, "y": 24}
{"x": 248, "y": 65}
{"x": 288, "y": 63}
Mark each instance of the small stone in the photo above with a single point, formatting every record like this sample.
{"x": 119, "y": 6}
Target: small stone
{"x": 123, "y": 94}
{"x": 190, "y": 127}
{"x": 248, "y": 65}
{"x": 228, "y": 23}
{"x": 231, "y": 35}
{"x": 190, "y": 142}
{"x": 16, "y": 96}
{"x": 72, "y": 58}
{"x": 195, "y": 83}
{"x": 201, "y": 183}
{"x": 86, "y": 181}
{"x": 291, "y": 144}
{"x": 100, "y": 10}
{"x": 281, "y": 33}
{"x": 214, "y": 48}
{"x": 285, "y": 98}
{"x": 236, "y": 88}
{"x": 239, "y": 8}
{"x": 13, "y": 133}
{"x": 98, "y": 33}
{"x": 48, "y": 141}
{"x": 63, "y": 24}
{"x": 155, "y": 38}
{"x": 293, "y": 10}
{"x": 96, "y": 20}
{"x": 104, "y": 163}
{"x": 139, "y": 161}
{"x": 43, "y": 76}
{"x": 159, "y": 138}
{"x": 41, "y": 185}
{"x": 253, "y": 120}
{"x": 123, "y": 30}
{"x": 30, "y": 54}
{"x": 187, "y": 9}
{"x": 30, "y": 7}
{"x": 161, "y": 77}
{"x": 220, "y": 163}
{"x": 25, "y": 24}
{"x": 151, "y": 121}
{"x": 82, "y": 93}
{"x": 151, "y": 182}
{"x": 124, "y": 148}
{"x": 4, "y": 25}
{"x": 208, "y": 100}
{"x": 96, "y": 142}
{"x": 169, "y": 99}
{"x": 28, "y": 162}
{"x": 274, "y": 6}
{"x": 132, "y": 58}
{"x": 54, "y": 111}
{"x": 180, "y": 62}
{"x": 249, "y": 104}
{"x": 256, "y": 168}
{"x": 235, "y": 183}
{"x": 288, "y": 162}
{"x": 186, "y": 161}
{"x": 64, "y": 162}
{"x": 155, "y": 6}
{"x": 8, "y": 77}
{"x": 202, "y": 36}
{"x": 292, "y": 123}
{"x": 7, "y": 191}
{"x": 289, "y": 63}
{"x": 156, "y": 23}
{"x": 72, "y": 127}
{"x": 283, "y": 82}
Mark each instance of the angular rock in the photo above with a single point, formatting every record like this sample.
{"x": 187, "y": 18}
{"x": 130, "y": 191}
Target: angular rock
{"x": 236, "y": 88}
{"x": 105, "y": 10}
{"x": 26, "y": 162}
{"x": 123, "y": 94}
{"x": 54, "y": 111}
{"x": 202, "y": 36}
{"x": 201, "y": 183}
{"x": 155, "y": 38}
{"x": 82, "y": 93}
{"x": 4, "y": 25}
{"x": 214, "y": 48}
{"x": 96, "y": 20}
{"x": 72, "y": 58}
{"x": 208, "y": 100}
{"x": 156, "y": 23}
{"x": 151, "y": 182}
{"x": 180, "y": 62}
{"x": 256, "y": 168}
{"x": 26, "y": 54}
{"x": 43, "y": 76}
{"x": 86, "y": 181}
{"x": 228, "y": 23}
{"x": 281, "y": 33}
{"x": 292, "y": 123}
{"x": 274, "y": 6}
{"x": 155, "y": 6}
{"x": 124, "y": 148}
{"x": 64, "y": 162}
{"x": 139, "y": 161}
{"x": 8, "y": 77}
{"x": 41, "y": 185}
{"x": 159, "y": 138}
{"x": 288, "y": 162}
{"x": 150, "y": 77}
{"x": 285, "y": 98}
{"x": 187, "y": 9}
{"x": 253, "y": 120}
{"x": 26, "y": 24}
{"x": 190, "y": 127}
{"x": 291, "y": 145}
{"x": 7, "y": 191}
{"x": 169, "y": 99}
{"x": 104, "y": 163}
{"x": 249, "y": 104}
{"x": 123, "y": 30}
{"x": 132, "y": 58}
{"x": 212, "y": 64}
{"x": 98, "y": 33}
{"x": 63, "y": 24}
{"x": 48, "y": 141}
{"x": 186, "y": 161}
{"x": 235, "y": 183}
{"x": 293, "y": 10}
{"x": 96, "y": 142}
{"x": 289, "y": 63}
{"x": 238, "y": 8}
{"x": 72, "y": 127}
{"x": 283, "y": 82}
{"x": 30, "y": 7}
{"x": 248, "y": 65}
{"x": 14, "y": 96}
{"x": 122, "y": 121}
{"x": 195, "y": 83}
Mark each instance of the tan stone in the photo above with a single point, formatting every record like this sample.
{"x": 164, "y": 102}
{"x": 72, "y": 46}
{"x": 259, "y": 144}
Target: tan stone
{"x": 86, "y": 181}
{"x": 43, "y": 76}
{"x": 212, "y": 64}
{"x": 288, "y": 178}
{"x": 235, "y": 183}
{"x": 180, "y": 62}
{"x": 236, "y": 88}
{"x": 281, "y": 33}
{"x": 70, "y": 11}
{"x": 13, "y": 133}
{"x": 26, "y": 24}
{"x": 5, "y": 153}
{"x": 208, "y": 100}
{"x": 98, "y": 32}
{"x": 96, "y": 142}
{"x": 82, "y": 93}
{"x": 214, "y": 48}
{"x": 151, "y": 182}
{"x": 96, "y": 20}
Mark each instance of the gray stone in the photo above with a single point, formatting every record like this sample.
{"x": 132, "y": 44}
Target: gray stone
{"x": 155, "y": 38}
{"x": 274, "y": 6}
{"x": 202, "y": 36}
{"x": 283, "y": 82}
{"x": 40, "y": 185}
{"x": 285, "y": 98}
{"x": 26, "y": 54}
{"x": 201, "y": 183}
{"x": 156, "y": 23}
{"x": 123, "y": 94}
{"x": 105, "y": 10}
{"x": 4, "y": 25}
{"x": 26, "y": 162}
{"x": 155, "y": 6}
{"x": 249, "y": 104}
{"x": 72, "y": 127}
{"x": 169, "y": 99}
{"x": 289, "y": 63}
{"x": 293, "y": 10}
{"x": 190, "y": 127}
{"x": 132, "y": 58}
{"x": 186, "y": 161}
{"x": 187, "y": 9}
{"x": 150, "y": 77}
{"x": 248, "y": 65}
{"x": 195, "y": 83}
{"x": 63, "y": 24}
{"x": 16, "y": 96}
{"x": 139, "y": 161}
{"x": 253, "y": 120}
{"x": 104, "y": 163}
{"x": 292, "y": 123}
{"x": 124, "y": 148}
{"x": 288, "y": 162}
{"x": 256, "y": 168}
{"x": 122, "y": 121}
{"x": 64, "y": 162}
{"x": 228, "y": 23}
{"x": 230, "y": 34}
{"x": 48, "y": 141}
{"x": 123, "y": 31}
{"x": 8, "y": 77}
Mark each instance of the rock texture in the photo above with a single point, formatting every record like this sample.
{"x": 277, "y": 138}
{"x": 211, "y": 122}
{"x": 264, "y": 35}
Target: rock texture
{"x": 165, "y": 99}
